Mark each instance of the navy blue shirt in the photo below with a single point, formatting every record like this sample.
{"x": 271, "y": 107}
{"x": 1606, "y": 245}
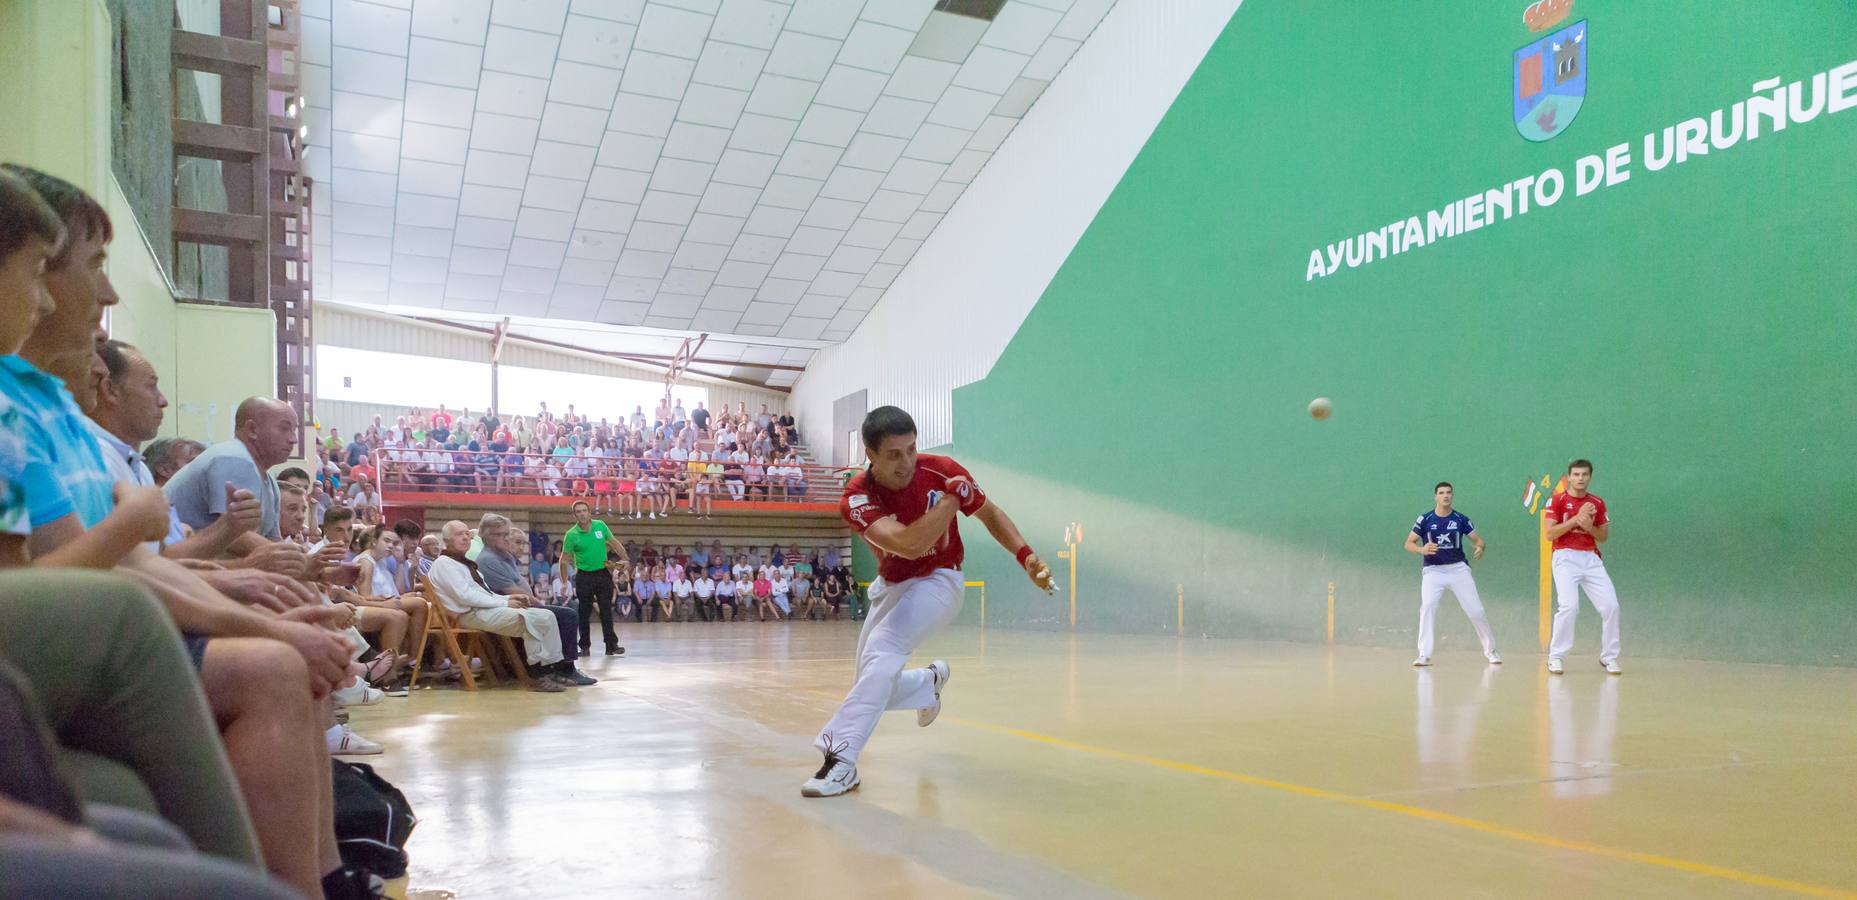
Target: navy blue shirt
{"x": 1447, "y": 532}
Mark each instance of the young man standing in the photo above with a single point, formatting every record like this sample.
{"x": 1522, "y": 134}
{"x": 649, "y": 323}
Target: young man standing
{"x": 1443, "y": 531}
{"x": 583, "y": 559}
{"x": 904, "y": 506}
{"x": 1578, "y": 524}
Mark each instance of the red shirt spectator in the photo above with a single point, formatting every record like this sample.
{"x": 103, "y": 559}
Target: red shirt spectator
{"x": 865, "y": 503}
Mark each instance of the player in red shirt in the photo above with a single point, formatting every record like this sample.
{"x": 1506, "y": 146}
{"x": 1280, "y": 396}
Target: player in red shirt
{"x": 904, "y": 506}
{"x": 1578, "y": 524}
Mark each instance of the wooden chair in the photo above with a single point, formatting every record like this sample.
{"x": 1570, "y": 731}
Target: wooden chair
{"x": 459, "y": 644}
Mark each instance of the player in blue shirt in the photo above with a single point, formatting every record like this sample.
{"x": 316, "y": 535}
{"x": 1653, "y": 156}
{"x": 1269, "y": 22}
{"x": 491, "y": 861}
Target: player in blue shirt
{"x": 1439, "y": 536}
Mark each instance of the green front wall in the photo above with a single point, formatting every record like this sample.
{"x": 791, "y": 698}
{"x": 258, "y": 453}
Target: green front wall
{"x": 1690, "y": 330}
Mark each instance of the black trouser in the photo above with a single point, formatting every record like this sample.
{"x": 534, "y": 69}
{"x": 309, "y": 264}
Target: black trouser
{"x": 595, "y": 588}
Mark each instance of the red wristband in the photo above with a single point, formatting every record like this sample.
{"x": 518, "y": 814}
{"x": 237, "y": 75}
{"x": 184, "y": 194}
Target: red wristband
{"x": 1024, "y": 552}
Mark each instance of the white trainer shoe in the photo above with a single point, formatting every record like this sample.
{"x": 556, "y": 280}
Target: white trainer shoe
{"x": 343, "y": 742}
{"x": 359, "y": 694}
{"x": 1421, "y": 662}
{"x": 943, "y": 674}
{"x": 1611, "y": 666}
{"x": 1495, "y": 659}
{"x": 836, "y": 777}
{"x": 1556, "y": 666}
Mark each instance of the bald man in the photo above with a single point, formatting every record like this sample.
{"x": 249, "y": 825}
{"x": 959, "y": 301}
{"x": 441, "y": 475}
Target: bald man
{"x": 462, "y": 590}
{"x": 264, "y": 433}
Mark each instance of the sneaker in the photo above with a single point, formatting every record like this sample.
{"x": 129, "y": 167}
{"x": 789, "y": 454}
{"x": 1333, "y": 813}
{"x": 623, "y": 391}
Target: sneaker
{"x": 344, "y": 742}
{"x": 1611, "y": 666}
{"x": 943, "y": 674}
{"x": 400, "y": 687}
{"x": 654, "y": 515}
{"x": 578, "y": 678}
{"x": 1495, "y": 659}
{"x": 836, "y": 777}
{"x": 1421, "y": 662}
{"x": 359, "y": 694}
{"x": 1556, "y": 666}
{"x": 615, "y": 650}
{"x": 545, "y": 684}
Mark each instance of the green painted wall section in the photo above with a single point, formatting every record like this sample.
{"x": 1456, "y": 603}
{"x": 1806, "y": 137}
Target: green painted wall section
{"x": 1689, "y": 329}
{"x": 55, "y": 66}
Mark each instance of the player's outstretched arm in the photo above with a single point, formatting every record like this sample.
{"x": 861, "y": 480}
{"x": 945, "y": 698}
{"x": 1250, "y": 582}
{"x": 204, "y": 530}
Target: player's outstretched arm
{"x": 918, "y": 538}
{"x": 1007, "y": 534}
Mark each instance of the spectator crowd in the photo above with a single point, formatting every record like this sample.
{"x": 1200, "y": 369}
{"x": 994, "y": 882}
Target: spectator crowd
{"x": 188, "y": 623}
{"x": 640, "y": 467}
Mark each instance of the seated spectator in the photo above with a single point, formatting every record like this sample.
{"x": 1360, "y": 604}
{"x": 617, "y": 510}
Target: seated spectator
{"x": 683, "y": 592}
{"x": 625, "y": 600}
{"x": 501, "y": 574}
{"x": 262, "y": 685}
{"x": 461, "y": 589}
{"x": 265, "y": 434}
{"x": 725, "y": 596}
{"x": 803, "y": 601}
{"x": 832, "y": 592}
{"x": 377, "y": 588}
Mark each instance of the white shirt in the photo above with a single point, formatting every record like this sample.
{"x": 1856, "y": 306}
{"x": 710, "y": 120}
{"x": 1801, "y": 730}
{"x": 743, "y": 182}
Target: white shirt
{"x": 456, "y": 589}
{"x": 682, "y": 588}
{"x": 704, "y": 587}
{"x": 741, "y": 571}
{"x": 125, "y": 464}
{"x": 782, "y": 586}
{"x": 438, "y": 460}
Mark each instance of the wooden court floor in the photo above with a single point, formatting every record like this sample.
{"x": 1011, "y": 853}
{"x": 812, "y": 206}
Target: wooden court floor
{"x": 1109, "y": 765}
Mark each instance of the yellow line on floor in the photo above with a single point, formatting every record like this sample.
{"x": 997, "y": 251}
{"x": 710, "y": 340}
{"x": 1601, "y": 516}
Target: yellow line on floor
{"x": 1430, "y": 815}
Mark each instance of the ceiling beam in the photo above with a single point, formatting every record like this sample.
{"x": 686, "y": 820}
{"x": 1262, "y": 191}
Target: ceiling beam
{"x": 649, "y": 359}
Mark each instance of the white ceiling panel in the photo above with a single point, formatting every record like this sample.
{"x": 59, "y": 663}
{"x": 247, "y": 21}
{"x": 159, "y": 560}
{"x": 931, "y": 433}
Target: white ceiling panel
{"x": 463, "y": 21}
{"x": 437, "y": 104}
{"x": 368, "y": 26}
{"x": 443, "y": 62}
{"x": 750, "y": 23}
{"x": 628, "y": 11}
{"x": 730, "y": 66}
{"x": 520, "y": 51}
{"x": 489, "y": 167}
{"x": 584, "y": 85}
{"x": 597, "y": 42}
{"x": 438, "y": 179}
{"x": 741, "y": 167}
{"x": 802, "y": 55}
{"x": 534, "y": 15}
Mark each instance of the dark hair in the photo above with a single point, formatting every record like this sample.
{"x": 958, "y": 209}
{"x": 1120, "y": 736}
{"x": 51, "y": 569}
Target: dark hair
{"x": 82, "y": 215}
{"x": 1442, "y": 484}
{"x": 408, "y": 529}
{"x": 1586, "y": 464}
{"x": 885, "y": 422}
{"x": 336, "y": 514}
{"x": 24, "y": 214}
{"x": 293, "y": 472}
{"x": 115, "y": 357}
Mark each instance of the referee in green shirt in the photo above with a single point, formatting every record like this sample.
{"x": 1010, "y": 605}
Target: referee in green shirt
{"x": 583, "y": 557}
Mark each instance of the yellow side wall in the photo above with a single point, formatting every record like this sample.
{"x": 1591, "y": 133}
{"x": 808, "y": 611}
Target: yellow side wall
{"x": 55, "y": 116}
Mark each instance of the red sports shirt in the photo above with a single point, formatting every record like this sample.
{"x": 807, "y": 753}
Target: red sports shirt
{"x": 865, "y": 503}
{"x": 1562, "y": 507}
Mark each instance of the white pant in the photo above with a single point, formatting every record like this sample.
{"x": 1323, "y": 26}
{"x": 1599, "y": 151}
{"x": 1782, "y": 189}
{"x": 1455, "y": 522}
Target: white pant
{"x": 901, "y": 616}
{"x": 1573, "y": 570}
{"x": 539, "y": 629}
{"x": 1454, "y": 577}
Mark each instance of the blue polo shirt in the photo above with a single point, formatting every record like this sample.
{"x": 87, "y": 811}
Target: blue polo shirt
{"x": 1447, "y": 532}
{"x": 64, "y": 470}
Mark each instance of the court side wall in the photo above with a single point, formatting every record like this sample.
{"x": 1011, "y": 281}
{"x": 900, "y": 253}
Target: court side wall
{"x": 1689, "y": 329}
{"x": 946, "y": 317}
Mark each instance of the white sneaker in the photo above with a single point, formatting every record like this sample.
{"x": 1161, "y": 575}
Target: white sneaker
{"x": 943, "y": 673}
{"x": 1556, "y": 666}
{"x": 836, "y": 777}
{"x": 1421, "y": 662}
{"x": 343, "y": 742}
{"x": 1611, "y": 666}
{"x": 1495, "y": 659}
{"x": 359, "y": 694}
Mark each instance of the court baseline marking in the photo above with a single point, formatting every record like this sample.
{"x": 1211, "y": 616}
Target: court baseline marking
{"x": 1419, "y": 812}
